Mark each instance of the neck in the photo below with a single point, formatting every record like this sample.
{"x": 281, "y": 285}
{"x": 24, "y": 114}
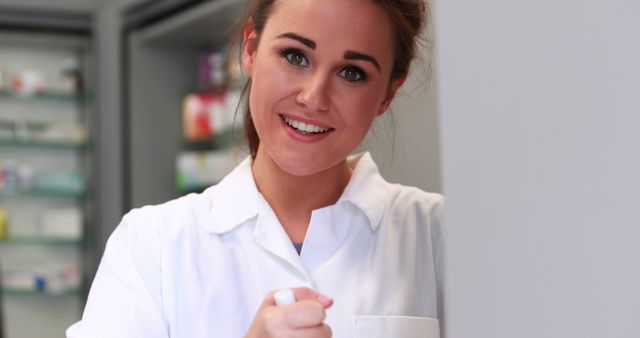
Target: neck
{"x": 292, "y": 197}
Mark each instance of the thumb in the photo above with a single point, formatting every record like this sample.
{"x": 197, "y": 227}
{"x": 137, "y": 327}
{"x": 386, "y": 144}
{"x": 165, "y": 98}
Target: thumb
{"x": 303, "y": 293}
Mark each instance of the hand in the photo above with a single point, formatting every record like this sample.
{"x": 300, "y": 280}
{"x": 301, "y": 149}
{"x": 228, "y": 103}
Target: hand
{"x": 302, "y": 319}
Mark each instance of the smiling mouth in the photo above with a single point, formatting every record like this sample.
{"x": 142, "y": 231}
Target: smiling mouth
{"x": 305, "y": 128}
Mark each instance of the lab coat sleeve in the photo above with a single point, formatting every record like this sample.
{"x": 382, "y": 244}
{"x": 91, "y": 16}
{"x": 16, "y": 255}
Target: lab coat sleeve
{"x": 438, "y": 233}
{"x": 125, "y": 300}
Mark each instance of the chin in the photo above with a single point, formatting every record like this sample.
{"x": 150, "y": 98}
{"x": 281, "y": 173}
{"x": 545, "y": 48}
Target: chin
{"x": 299, "y": 167}
{"x": 296, "y": 165}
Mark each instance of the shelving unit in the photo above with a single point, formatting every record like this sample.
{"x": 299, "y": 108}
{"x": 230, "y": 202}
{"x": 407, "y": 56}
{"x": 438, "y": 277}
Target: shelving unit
{"x": 163, "y": 58}
{"x": 48, "y": 205}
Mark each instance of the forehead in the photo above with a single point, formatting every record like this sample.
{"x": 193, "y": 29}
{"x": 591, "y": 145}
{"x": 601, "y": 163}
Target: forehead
{"x": 360, "y": 25}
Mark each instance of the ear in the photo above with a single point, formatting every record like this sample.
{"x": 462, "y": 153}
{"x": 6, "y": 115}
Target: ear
{"x": 249, "y": 47}
{"x": 391, "y": 93}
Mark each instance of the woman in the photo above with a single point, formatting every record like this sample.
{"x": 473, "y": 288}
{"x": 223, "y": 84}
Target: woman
{"x": 362, "y": 256}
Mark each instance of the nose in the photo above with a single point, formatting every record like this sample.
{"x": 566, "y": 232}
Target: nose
{"x": 314, "y": 94}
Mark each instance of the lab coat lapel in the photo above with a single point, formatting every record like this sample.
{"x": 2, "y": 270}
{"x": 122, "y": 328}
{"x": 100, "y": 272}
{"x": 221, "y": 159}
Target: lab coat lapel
{"x": 327, "y": 230}
{"x": 270, "y": 235}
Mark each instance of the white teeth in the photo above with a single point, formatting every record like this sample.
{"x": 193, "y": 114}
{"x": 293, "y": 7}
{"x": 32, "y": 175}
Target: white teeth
{"x": 310, "y": 128}
{"x": 301, "y": 126}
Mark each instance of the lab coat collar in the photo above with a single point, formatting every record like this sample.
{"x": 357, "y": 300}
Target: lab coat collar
{"x": 366, "y": 190}
{"x": 236, "y": 198}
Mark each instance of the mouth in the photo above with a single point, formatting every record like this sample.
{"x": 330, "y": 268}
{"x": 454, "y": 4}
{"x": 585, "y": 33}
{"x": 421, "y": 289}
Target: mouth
{"x": 305, "y": 128}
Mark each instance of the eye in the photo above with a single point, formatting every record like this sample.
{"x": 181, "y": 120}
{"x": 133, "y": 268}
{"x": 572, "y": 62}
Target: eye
{"x": 353, "y": 74}
{"x": 295, "y": 57}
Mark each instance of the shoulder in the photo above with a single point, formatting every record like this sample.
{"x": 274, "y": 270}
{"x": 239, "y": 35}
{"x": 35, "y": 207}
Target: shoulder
{"x": 138, "y": 242}
{"x": 166, "y": 219}
{"x": 407, "y": 200}
{"x": 415, "y": 215}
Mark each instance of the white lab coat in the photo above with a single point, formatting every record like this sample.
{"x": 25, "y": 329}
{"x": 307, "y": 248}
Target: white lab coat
{"x": 200, "y": 265}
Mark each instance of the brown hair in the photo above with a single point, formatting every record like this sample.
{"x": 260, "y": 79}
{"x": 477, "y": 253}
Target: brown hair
{"x": 408, "y": 17}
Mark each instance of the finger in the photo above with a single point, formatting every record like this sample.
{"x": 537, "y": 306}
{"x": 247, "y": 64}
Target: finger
{"x": 310, "y": 294}
{"x": 290, "y": 320}
{"x": 304, "y": 314}
{"x": 301, "y": 293}
{"x": 304, "y": 293}
{"x": 321, "y": 331}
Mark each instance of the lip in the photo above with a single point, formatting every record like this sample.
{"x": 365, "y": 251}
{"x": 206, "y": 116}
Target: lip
{"x": 311, "y": 138}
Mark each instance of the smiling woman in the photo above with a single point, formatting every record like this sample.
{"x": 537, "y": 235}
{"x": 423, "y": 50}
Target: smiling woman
{"x": 337, "y": 78}
{"x": 301, "y": 212}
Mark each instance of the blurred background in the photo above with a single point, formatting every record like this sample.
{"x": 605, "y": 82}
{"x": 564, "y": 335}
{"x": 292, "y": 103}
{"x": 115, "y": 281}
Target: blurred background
{"x": 111, "y": 105}
{"x": 526, "y": 115}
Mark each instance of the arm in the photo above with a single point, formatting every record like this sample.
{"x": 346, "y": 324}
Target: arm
{"x": 125, "y": 300}
{"x": 438, "y": 238}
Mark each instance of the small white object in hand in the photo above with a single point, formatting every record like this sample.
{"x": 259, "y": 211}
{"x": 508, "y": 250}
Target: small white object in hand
{"x": 284, "y": 297}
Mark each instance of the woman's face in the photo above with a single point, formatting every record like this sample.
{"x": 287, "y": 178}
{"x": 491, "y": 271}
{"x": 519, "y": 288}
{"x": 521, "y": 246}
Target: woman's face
{"x": 320, "y": 75}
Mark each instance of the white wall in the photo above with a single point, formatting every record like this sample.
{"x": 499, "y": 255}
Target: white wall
{"x": 540, "y": 125}
{"x": 405, "y": 140}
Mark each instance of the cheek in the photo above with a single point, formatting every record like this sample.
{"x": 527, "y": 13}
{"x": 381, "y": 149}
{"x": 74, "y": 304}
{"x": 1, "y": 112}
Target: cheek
{"x": 268, "y": 71}
{"x": 269, "y": 85}
{"x": 360, "y": 106}
{"x": 359, "y": 112}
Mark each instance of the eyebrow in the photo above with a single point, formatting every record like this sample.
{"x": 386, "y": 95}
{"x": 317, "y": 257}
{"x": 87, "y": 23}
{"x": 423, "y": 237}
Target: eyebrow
{"x": 307, "y": 42}
{"x": 348, "y": 55}
{"x": 351, "y": 55}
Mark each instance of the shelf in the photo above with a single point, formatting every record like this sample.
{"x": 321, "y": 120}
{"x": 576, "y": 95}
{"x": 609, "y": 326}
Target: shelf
{"x": 40, "y": 241}
{"x": 44, "y": 192}
{"x": 193, "y": 189}
{"x": 44, "y": 96}
{"x": 42, "y": 144}
{"x": 32, "y": 292}
{"x": 221, "y": 140}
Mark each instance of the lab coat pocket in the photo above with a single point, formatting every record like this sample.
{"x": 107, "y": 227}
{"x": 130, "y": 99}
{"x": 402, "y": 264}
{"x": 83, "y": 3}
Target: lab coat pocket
{"x": 395, "y": 327}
